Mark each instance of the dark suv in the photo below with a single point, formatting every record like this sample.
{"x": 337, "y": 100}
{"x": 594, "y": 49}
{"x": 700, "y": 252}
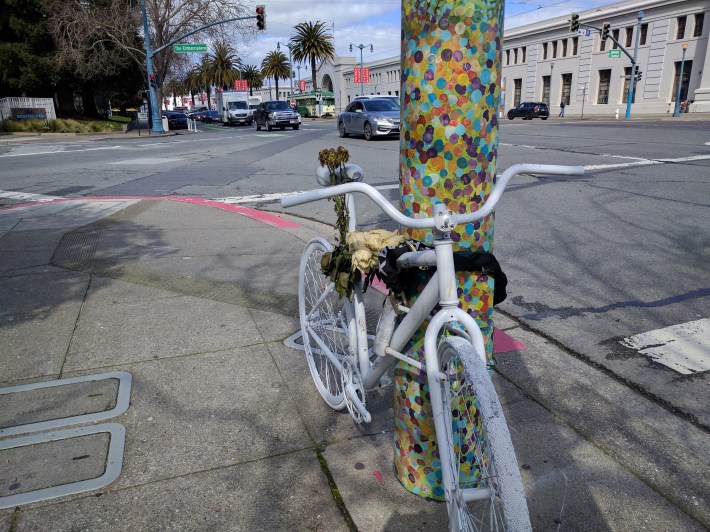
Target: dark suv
{"x": 530, "y": 110}
{"x": 276, "y": 113}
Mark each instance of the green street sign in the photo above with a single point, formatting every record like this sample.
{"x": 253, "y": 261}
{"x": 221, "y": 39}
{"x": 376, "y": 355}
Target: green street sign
{"x": 186, "y": 48}
{"x": 614, "y": 53}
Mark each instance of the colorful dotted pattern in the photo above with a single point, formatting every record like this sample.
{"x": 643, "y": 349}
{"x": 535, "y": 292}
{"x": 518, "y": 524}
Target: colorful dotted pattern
{"x": 448, "y": 149}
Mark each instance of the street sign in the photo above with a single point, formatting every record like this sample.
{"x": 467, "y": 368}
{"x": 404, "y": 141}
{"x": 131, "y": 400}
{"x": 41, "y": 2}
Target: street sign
{"x": 588, "y": 32}
{"x": 303, "y": 85}
{"x": 615, "y": 53}
{"x": 187, "y": 48}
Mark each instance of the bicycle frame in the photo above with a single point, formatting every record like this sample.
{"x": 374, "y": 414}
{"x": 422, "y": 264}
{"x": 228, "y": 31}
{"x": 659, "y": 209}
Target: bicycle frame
{"x": 441, "y": 288}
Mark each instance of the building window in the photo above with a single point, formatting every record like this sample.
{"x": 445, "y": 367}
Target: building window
{"x": 566, "y": 88}
{"x": 544, "y": 50}
{"x": 644, "y": 33}
{"x": 602, "y": 44}
{"x": 515, "y": 56}
{"x": 564, "y": 48}
{"x": 523, "y": 50}
{"x": 575, "y": 44}
{"x": 687, "y": 69}
{"x": 629, "y": 34}
{"x": 627, "y": 82}
{"x": 507, "y": 57}
{"x": 680, "y": 31}
{"x": 546, "y": 89}
{"x": 615, "y": 34}
{"x": 698, "y": 28}
{"x": 604, "y": 81}
{"x": 517, "y": 91}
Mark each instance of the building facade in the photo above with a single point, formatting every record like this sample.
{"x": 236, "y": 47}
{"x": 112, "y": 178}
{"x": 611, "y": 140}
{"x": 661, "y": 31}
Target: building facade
{"x": 546, "y": 62}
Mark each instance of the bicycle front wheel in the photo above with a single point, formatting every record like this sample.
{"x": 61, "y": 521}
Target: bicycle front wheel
{"x": 486, "y": 491}
{"x": 325, "y": 324}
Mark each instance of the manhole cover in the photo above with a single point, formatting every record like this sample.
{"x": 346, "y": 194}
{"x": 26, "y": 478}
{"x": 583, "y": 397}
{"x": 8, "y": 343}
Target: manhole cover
{"x": 48, "y": 465}
{"x": 57, "y": 403}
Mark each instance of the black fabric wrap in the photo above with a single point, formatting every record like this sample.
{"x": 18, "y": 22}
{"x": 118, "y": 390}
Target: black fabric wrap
{"x": 468, "y": 261}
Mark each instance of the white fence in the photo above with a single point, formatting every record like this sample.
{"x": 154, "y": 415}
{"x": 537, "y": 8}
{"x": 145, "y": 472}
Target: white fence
{"x": 26, "y": 108}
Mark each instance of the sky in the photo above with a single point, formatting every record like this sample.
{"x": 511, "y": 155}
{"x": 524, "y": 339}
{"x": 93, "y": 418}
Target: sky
{"x": 376, "y": 23}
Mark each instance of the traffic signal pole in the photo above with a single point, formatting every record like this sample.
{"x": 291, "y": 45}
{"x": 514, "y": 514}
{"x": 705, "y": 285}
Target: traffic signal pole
{"x": 156, "y": 121}
{"x": 632, "y": 81}
{"x": 157, "y": 126}
{"x": 605, "y": 35}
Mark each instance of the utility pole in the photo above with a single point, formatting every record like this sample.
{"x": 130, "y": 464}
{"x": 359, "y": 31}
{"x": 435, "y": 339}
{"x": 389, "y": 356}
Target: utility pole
{"x": 676, "y": 111}
{"x": 362, "y": 72}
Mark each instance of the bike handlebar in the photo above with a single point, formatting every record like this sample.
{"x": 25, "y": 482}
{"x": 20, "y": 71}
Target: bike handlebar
{"x": 428, "y": 223}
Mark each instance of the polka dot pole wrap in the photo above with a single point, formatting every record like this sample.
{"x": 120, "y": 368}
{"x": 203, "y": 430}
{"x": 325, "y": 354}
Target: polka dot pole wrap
{"x": 448, "y": 146}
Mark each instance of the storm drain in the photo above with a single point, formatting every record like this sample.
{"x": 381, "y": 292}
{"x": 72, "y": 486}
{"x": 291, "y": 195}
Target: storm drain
{"x": 58, "y": 403}
{"x": 64, "y": 462}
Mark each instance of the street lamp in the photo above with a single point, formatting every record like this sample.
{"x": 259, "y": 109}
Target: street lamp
{"x": 676, "y": 112}
{"x": 290, "y": 69}
{"x": 361, "y": 46}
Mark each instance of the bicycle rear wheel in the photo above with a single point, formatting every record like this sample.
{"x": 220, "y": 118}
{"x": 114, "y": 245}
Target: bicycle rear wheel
{"x": 326, "y": 319}
{"x": 487, "y": 491}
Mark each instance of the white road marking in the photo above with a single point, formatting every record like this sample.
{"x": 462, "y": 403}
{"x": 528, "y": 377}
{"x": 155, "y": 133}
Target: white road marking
{"x": 26, "y": 196}
{"x": 59, "y": 152}
{"x": 684, "y": 348}
{"x": 150, "y": 160}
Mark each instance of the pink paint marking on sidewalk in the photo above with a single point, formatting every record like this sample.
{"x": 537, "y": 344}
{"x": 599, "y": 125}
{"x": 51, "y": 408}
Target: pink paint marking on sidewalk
{"x": 502, "y": 342}
{"x": 260, "y": 216}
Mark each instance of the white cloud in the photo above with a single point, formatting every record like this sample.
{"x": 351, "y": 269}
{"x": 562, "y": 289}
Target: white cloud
{"x": 377, "y": 23}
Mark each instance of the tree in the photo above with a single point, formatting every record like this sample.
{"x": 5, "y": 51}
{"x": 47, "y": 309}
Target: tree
{"x": 254, "y": 78}
{"x": 224, "y": 65}
{"x": 311, "y": 43}
{"x": 275, "y": 65}
{"x": 26, "y": 50}
{"x": 92, "y": 33}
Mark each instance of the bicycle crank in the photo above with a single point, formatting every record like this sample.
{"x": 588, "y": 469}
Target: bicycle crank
{"x": 354, "y": 392}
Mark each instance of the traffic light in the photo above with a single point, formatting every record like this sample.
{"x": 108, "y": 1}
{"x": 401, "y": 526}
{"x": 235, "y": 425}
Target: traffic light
{"x": 574, "y": 23}
{"x": 605, "y": 30}
{"x": 153, "y": 84}
{"x": 261, "y": 17}
{"x": 638, "y": 76}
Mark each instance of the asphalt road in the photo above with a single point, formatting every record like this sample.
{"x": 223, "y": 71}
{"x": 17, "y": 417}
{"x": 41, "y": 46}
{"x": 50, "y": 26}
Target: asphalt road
{"x": 592, "y": 261}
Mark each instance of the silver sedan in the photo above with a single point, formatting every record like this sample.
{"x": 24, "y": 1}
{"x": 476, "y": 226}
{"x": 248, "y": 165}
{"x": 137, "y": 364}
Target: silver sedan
{"x": 371, "y": 118}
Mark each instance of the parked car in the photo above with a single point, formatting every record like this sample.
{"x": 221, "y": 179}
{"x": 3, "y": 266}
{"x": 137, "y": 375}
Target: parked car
{"x": 276, "y": 113}
{"x": 372, "y": 118}
{"x": 395, "y": 99}
{"x": 530, "y": 110}
{"x": 211, "y": 116}
{"x": 176, "y": 119}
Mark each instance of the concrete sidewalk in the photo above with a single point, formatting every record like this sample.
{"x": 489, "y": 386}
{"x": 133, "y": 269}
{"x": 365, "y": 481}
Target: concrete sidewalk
{"x": 225, "y": 430}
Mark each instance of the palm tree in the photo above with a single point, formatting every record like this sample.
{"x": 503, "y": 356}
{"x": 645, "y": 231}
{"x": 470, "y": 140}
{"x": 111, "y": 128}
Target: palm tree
{"x": 311, "y": 43}
{"x": 224, "y": 65}
{"x": 253, "y": 77}
{"x": 275, "y": 65}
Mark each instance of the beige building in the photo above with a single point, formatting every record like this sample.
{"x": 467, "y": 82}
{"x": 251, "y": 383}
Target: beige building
{"x": 546, "y": 62}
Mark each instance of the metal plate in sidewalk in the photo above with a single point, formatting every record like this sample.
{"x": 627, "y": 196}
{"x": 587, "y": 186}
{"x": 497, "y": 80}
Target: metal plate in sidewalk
{"x": 52, "y": 404}
{"x": 53, "y": 464}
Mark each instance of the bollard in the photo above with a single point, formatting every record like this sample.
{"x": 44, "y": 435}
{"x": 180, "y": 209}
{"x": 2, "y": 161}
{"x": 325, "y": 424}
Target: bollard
{"x": 449, "y": 141}
{"x": 617, "y": 114}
